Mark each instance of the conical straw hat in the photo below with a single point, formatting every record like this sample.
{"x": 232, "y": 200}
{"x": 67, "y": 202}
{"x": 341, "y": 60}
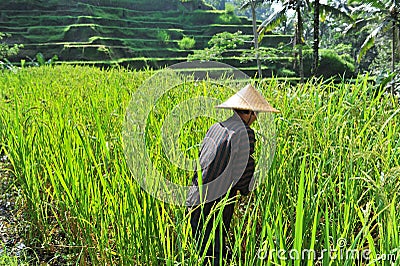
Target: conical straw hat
{"x": 248, "y": 98}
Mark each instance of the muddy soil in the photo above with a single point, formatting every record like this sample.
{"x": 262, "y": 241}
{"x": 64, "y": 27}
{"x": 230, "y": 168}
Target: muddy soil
{"x": 12, "y": 224}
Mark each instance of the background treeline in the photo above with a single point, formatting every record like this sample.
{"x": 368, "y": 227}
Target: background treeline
{"x": 297, "y": 38}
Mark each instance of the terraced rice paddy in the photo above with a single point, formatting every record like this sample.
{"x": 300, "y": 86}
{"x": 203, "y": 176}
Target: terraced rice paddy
{"x": 140, "y": 35}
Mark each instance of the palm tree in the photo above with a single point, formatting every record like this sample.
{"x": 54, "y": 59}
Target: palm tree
{"x": 339, "y": 9}
{"x": 386, "y": 15}
{"x": 299, "y": 39}
{"x": 316, "y": 38}
{"x": 281, "y": 14}
{"x": 253, "y": 4}
{"x": 299, "y": 6}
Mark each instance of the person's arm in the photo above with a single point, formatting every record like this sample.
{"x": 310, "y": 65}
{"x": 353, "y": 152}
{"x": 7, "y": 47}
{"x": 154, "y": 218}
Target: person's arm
{"x": 246, "y": 148}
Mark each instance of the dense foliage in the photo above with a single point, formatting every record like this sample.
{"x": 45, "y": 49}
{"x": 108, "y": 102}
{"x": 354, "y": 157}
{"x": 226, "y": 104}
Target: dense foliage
{"x": 7, "y": 51}
{"x": 330, "y": 64}
{"x": 334, "y": 175}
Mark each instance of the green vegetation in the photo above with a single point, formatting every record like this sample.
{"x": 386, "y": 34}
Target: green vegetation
{"x": 228, "y": 17}
{"x": 330, "y": 64}
{"x": 337, "y": 155}
{"x": 104, "y": 31}
{"x": 186, "y": 43}
{"x": 6, "y": 51}
{"x": 67, "y": 28}
{"x": 163, "y": 36}
{"x": 219, "y": 44}
{"x": 10, "y": 261}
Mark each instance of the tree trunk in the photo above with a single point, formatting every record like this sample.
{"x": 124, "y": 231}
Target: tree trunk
{"x": 255, "y": 33}
{"x": 316, "y": 39}
{"x": 299, "y": 33}
{"x": 393, "y": 45}
{"x": 301, "y": 65}
{"x": 223, "y": 3}
{"x": 393, "y": 52}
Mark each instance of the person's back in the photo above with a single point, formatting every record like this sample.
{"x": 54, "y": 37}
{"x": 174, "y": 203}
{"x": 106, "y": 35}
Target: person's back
{"x": 227, "y": 166}
{"x": 224, "y": 153}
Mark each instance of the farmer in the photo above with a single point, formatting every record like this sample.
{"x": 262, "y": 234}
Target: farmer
{"x": 227, "y": 166}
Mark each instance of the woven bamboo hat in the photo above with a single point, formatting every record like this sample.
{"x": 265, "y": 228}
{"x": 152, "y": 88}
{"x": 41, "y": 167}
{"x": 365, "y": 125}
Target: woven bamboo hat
{"x": 248, "y": 98}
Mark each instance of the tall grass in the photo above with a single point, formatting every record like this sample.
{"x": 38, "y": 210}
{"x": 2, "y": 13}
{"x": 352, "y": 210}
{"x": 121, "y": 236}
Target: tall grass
{"x": 335, "y": 174}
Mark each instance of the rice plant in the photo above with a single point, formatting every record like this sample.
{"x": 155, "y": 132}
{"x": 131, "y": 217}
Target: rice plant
{"x": 330, "y": 197}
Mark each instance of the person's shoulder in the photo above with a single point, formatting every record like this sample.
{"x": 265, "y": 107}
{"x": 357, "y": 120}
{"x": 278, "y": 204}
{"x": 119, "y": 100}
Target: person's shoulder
{"x": 216, "y": 127}
{"x": 234, "y": 123}
{"x": 246, "y": 130}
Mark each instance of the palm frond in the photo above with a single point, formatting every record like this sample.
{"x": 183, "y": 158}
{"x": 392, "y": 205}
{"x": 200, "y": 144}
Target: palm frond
{"x": 248, "y": 3}
{"x": 376, "y": 3}
{"x": 372, "y": 3}
{"x": 370, "y": 40}
{"x": 387, "y": 24}
{"x": 273, "y": 20}
{"x": 368, "y": 44}
{"x": 269, "y": 25}
{"x": 385, "y": 81}
{"x": 358, "y": 24}
{"x": 245, "y": 5}
{"x": 304, "y": 3}
{"x": 335, "y": 11}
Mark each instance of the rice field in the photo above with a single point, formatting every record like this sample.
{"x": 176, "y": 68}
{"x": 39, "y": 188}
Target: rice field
{"x": 330, "y": 196}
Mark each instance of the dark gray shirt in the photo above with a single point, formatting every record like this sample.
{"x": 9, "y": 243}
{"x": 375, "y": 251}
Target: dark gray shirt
{"x": 226, "y": 161}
